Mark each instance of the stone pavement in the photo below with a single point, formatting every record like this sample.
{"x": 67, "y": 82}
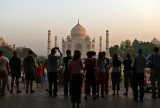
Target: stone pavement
{"x": 40, "y": 99}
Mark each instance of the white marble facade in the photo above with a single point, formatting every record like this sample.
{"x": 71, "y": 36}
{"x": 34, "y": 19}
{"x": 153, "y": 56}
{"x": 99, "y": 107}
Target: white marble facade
{"x": 78, "y": 40}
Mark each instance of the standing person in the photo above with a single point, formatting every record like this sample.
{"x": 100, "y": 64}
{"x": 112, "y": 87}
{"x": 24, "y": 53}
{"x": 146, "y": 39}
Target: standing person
{"x": 39, "y": 75}
{"x": 75, "y": 66}
{"x": 101, "y": 75}
{"x": 67, "y": 73}
{"x": 127, "y": 73}
{"x": 116, "y": 74}
{"x": 15, "y": 66}
{"x": 138, "y": 64}
{"x": 53, "y": 70}
{"x": 89, "y": 70}
{"x": 155, "y": 71}
{"x": 107, "y": 73}
{"x": 29, "y": 65}
{"x": 4, "y": 69}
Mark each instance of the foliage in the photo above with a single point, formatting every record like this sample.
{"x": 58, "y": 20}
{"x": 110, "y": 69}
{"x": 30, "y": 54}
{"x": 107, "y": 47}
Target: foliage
{"x": 7, "y": 52}
{"x": 130, "y": 47}
{"x": 23, "y": 52}
{"x": 114, "y": 50}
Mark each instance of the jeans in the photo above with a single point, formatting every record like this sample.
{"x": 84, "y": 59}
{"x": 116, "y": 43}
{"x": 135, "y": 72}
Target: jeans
{"x": 138, "y": 79}
{"x": 155, "y": 76}
{"x": 67, "y": 76}
{"x": 52, "y": 78}
{"x": 76, "y": 84}
{"x": 4, "y": 80}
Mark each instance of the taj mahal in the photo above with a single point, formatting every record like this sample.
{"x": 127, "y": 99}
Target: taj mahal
{"x": 79, "y": 40}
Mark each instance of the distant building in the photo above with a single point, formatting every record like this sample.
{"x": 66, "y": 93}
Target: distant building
{"x": 78, "y": 40}
{"x": 4, "y": 43}
{"x": 156, "y": 41}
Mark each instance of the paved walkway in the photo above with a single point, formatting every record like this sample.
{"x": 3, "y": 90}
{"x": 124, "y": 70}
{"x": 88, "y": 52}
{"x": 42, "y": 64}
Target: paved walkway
{"x": 40, "y": 99}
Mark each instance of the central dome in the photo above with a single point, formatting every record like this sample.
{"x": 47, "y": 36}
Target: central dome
{"x": 78, "y": 31}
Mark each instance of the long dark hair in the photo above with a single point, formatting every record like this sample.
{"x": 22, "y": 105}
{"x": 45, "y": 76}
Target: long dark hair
{"x": 128, "y": 56}
{"x": 77, "y": 55}
{"x": 115, "y": 57}
{"x": 100, "y": 57}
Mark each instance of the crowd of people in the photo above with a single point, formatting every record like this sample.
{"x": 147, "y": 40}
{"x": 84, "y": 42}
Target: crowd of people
{"x": 95, "y": 72}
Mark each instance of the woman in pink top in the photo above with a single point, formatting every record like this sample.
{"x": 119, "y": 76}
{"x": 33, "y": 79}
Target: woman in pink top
{"x": 75, "y": 67}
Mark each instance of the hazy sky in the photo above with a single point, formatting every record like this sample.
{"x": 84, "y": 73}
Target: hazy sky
{"x": 26, "y": 22}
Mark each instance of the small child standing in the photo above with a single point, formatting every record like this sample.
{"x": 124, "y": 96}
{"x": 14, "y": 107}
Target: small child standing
{"x": 39, "y": 75}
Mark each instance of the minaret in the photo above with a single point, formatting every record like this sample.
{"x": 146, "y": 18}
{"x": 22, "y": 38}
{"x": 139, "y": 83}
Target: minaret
{"x": 100, "y": 44}
{"x": 56, "y": 41}
{"x": 49, "y": 42}
{"x": 107, "y": 44}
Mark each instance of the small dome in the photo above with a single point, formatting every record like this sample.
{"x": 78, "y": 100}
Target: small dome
{"x": 78, "y": 31}
{"x": 69, "y": 37}
{"x": 2, "y": 41}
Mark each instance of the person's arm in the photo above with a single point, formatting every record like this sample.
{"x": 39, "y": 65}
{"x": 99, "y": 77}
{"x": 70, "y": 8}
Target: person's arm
{"x": 7, "y": 66}
{"x": 84, "y": 70}
{"x": 60, "y": 53}
{"x": 133, "y": 63}
{"x": 148, "y": 58}
{"x": 69, "y": 66}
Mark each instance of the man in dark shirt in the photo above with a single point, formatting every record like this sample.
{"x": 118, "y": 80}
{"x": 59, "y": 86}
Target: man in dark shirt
{"x": 29, "y": 65}
{"x": 15, "y": 65}
{"x": 107, "y": 74}
{"x": 127, "y": 72}
{"x": 67, "y": 74}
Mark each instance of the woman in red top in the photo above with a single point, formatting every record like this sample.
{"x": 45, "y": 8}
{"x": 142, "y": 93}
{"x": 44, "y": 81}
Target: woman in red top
{"x": 90, "y": 72}
{"x": 39, "y": 75}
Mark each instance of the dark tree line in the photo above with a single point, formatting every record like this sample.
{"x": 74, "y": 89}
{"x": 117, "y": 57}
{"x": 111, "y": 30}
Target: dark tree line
{"x": 130, "y": 47}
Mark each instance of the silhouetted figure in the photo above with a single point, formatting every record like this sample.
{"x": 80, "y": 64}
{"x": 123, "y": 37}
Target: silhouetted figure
{"x": 116, "y": 74}
{"x": 15, "y": 66}
{"x": 39, "y": 76}
{"x": 107, "y": 73}
{"x": 29, "y": 65}
{"x": 128, "y": 80}
{"x": 4, "y": 69}
{"x": 89, "y": 71}
{"x": 53, "y": 71}
{"x": 154, "y": 59}
{"x": 101, "y": 74}
{"x": 76, "y": 67}
{"x": 138, "y": 65}
{"x": 67, "y": 73}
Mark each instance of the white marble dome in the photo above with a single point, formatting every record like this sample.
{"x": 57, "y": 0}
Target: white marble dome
{"x": 2, "y": 41}
{"x": 78, "y": 31}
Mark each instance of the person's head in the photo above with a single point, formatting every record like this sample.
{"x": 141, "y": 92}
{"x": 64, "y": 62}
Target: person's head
{"x": 104, "y": 53}
{"x": 53, "y": 51}
{"x": 77, "y": 55}
{"x": 156, "y": 49}
{"x": 1, "y": 53}
{"x": 30, "y": 52}
{"x": 93, "y": 53}
{"x": 128, "y": 56}
{"x": 15, "y": 53}
{"x": 68, "y": 52}
{"x": 139, "y": 51}
{"x": 89, "y": 54}
{"x": 39, "y": 64}
{"x": 100, "y": 56}
{"x": 115, "y": 57}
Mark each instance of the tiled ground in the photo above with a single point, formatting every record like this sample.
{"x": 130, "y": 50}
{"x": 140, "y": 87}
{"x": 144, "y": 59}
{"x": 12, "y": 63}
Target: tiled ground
{"x": 40, "y": 99}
